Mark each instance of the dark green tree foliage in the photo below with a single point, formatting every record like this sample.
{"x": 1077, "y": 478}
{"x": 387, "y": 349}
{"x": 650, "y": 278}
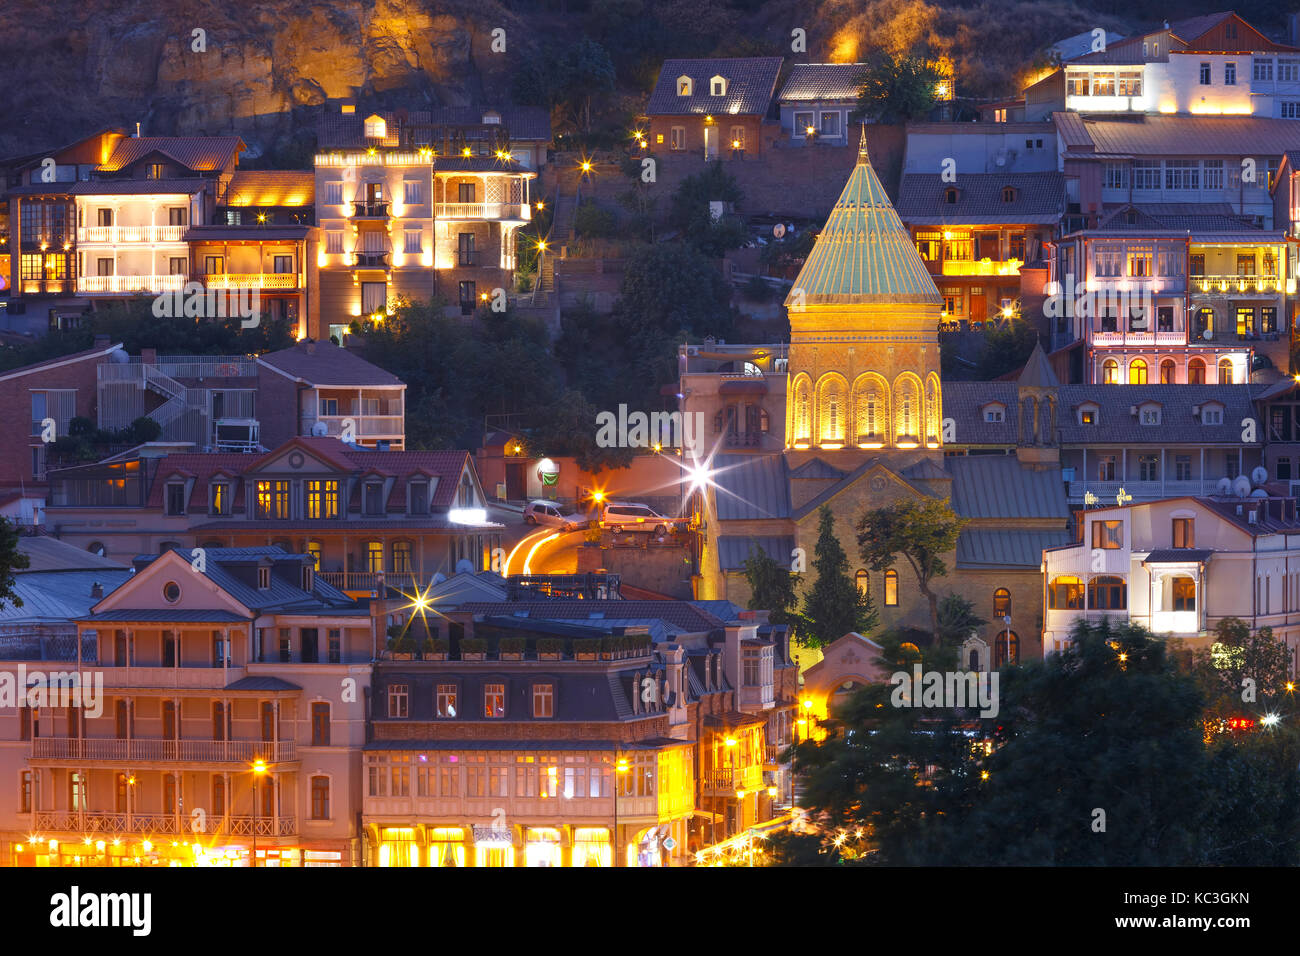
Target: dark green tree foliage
{"x": 691, "y": 215}
{"x": 11, "y": 559}
{"x": 957, "y": 618}
{"x": 1112, "y": 724}
{"x": 569, "y": 77}
{"x": 773, "y": 586}
{"x": 1007, "y": 347}
{"x": 834, "y": 606}
{"x": 921, "y": 532}
{"x": 1237, "y": 656}
{"x": 568, "y": 427}
{"x": 897, "y": 89}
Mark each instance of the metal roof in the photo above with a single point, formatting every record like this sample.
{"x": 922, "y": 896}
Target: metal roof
{"x": 166, "y": 615}
{"x": 751, "y": 81}
{"x": 1115, "y": 423}
{"x": 51, "y": 554}
{"x": 264, "y": 682}
{"x": 199, "y": 153}
{"x": 1181, "y": 135}
{"x": 999, "y": 548}
{"x": 1177, "y": 555}
{"x": 1038, "y": 198}
{"x": 733, "y": 550}
{"x": 999, "y": 486}
{"x": 58, "y": 596}
{"x": 864, "y": 253}
{"x": 813, "y": 82}
{"x": 751, "y": 486}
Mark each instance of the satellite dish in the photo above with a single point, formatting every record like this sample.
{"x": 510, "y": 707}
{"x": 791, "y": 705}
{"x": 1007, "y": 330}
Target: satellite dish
{"x": 1259, "y": 493}
{"x": 1259, "y": 474}
{"x": 464, "y": 566}
{"x": 1241, "y": 486}
{"x": 320, "y": 429}
{"x": 438, "y": 578}
{"x": 778, "y": 230}
{"x": 1224, "y": 486}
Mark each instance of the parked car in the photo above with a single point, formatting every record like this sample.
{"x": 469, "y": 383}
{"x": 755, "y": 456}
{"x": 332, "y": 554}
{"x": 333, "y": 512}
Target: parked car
{"x": 553, "y": 516}
{"x": 620, "y": 516}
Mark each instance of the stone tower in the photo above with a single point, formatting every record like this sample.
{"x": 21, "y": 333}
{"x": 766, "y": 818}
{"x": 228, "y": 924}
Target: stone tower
{"x": 864, "y": 345}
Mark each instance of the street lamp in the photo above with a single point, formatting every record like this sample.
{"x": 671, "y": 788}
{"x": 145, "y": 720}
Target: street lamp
{"x": 259, "y": 768}
{"x": 620, "y": 767}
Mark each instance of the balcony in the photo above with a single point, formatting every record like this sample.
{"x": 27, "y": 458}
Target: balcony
{"x": 172, "y": 678}
{"x": 252, "y": 280}
{"x": 142, "y": 750}
{"x": 1141, "y": 337}
{"x": 112, "y": 824}
{"x": 1236, "y": 286}
{"x": 366, "y": 426}
{"x": 1107, "y": 490}
{"x": 131, "y": 285}
{"x": 369, "y": 209}
{"x": 370, "y": 260}
{"x": 117, "y": 234}
{"x": 482, "y": 210}
{"x": 744, "y": 440}
{"x": 980, "y": 267}
{"x": 727, "y": 781}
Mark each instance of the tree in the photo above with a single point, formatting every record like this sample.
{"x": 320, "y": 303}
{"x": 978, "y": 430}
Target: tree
{"x": 772, "y": 586}
{"x": 1238, "y": 656}
{"x": 11, "y": 559}
{"x": 922, "y": 531}
{"x": 957, "y": 618}
{"x": 898, "y": 89}
{"x": 1006, "y": 347}
{"x": 691, "y": 213}
{"x": 668, "y": 288}
{"x": 569, "y": 428}
{"x": 834, "y": 606}
{"x": 586, "y": 69}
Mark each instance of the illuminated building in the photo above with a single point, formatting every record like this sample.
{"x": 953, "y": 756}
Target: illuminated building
{"x": 714, "y": 108}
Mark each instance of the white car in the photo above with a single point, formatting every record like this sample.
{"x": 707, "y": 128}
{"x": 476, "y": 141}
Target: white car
{"x": 620, "y": 516}
{"x": 553, "y": 516}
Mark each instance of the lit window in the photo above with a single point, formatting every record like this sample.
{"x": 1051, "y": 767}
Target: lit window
{"x": 1184, "y": 532}
{"x": 494, "y": 700}
{"x": 1001, "y": 603}
{"x": 891, "y": 588}
{"x": 1108, "y": 535}
{"x": 543, "y": 700}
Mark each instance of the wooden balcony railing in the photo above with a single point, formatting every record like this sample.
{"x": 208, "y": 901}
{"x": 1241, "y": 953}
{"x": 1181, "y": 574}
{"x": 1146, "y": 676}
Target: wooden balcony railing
{"x": 482, "y": 210}
{"x": 132, "y": 284}
{"x": 252, "y": 280}
{"x": 162, "y": 750}
{"x": 116, "y": 234}
{"x": 113, "y": 824}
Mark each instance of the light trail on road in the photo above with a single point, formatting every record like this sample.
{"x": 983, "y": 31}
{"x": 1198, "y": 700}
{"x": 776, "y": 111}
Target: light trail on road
{"x": 533, "y": 550}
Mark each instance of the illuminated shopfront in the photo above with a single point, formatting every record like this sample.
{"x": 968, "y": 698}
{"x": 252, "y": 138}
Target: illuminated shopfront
{"x": 543, "y": 847}
{"x": 591, "y": 847}
{"x": 446, "y": 846}
{"x": 397, "y": 847}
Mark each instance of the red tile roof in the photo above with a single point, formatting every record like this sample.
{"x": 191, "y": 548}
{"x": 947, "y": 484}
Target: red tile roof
{"x": 324, "y": 363}
{"x": 199, "y": 153}
{"x": 271, "y": 187}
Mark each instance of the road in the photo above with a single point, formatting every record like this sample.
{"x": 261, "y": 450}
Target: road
{"x": 544, "y": 551}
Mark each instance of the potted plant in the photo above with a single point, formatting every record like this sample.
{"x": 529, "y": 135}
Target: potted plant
{"x": 434, "y": 649}
{"x": 586, "y": 648}
{"x": 608, "y": 647}
{"x": 550, "y": 648}
{"x": 473, "y": 648}
{"x": 511, "y": 648}
{"x": 400, "y": 645}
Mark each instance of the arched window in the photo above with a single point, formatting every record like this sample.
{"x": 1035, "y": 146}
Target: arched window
{"x": 1007, "y": 649}
{"x": 862, "y": 581}
{"x": 802, "y": 406}
{"x": 1001, "y": 604}
{"x": 1184, "y": 593}
{"x": 1107, "y": 593}
{"x": 1137, "y": 372}
{"x": 402, "y": 557}
{"x": 1065, "y": 593}
{"x": 830, "y": 409}
{"x": 870, "y": 409}
{"x": 1110, "y": 372}
{"x": 933, "y": 407}
{"x": 374, "y": 556}
{"x": 1167, "y": 372}
{"x": 1196, "y": 372}
{"x": 891, "y": 588}
{"x": 1225, "y": 371}
{"x": 907, "y": 408}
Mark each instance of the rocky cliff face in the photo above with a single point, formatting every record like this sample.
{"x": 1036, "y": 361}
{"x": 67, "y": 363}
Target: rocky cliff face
{"x": 258, "y": 69}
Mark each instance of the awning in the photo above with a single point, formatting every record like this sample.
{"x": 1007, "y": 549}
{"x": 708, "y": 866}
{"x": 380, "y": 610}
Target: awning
{"x": 1178, "y": 556}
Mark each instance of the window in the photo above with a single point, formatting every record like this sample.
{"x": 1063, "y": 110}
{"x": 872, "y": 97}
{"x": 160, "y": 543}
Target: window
{"x": 1065, "y": 593}
{"x": 375, "y": 127}
{"x": 1148, "y": 467}
{"x": 334, "y": 637}
{"x": 1268, "y": 319}
{"x": 1137, "y": 372}
{"x": 1107, "y": 593}
{"x": 543, "y": 700}
{"x": 891, "y": 588}
{"x": 1110, "y": 372}
{"x": 413, "y": 192}
{"x": 950, "y": 197}
{"x": 219, "y": 498}
{"x": 1076, "y": 84}
{"x": 220, "y": 721}
{"x": 322, "y": 499}
{"x": 1146, "y": 174}
{"x": 177, "y": 265}
{"x": 1184, "y": 594}
{"x": 374, "y": 297}
{"x": 994, "y": 414}
{"x": 411, "y": 241}
{"x": 684, "y": 85}
{"x": 1230, "y": 74}
{"x": 320, "y": 798}
{"x": 1115, "y": 176}
{"x": 1108, "y": 535}
{"x": 272, "y": 499}
{"x": 214, "y": 265}
{"x": 282, "y": 265}
{"x": 176, "y": 498}
{"x": 264, "y": 579}
{"x": 718, "y": 86}
{"x": 1196, "y": 372}
{"x": 398, "y": 700}
{"x": 1008, "y": 194}
{"x": 446, "y": 700}
{"x": 155, "y": 171}
{"x": 25, "y": 791}
{"x": 374, "y": 557}
{"x": 1103, "y": 84}
{"x": 1183, "y": 468}
{"x": 803, "y": 125}
{"x": 1139, "y": 263}
{"x": 1108, "y": 261}
{"x": 320, "y": 724}
{"x": 1212, "y": 170}
{"x": 1225, "y": 371}
{"x": 677, "y": 137}
{"x": 402, "y": 557}
{"x": 105, "y": 217}
{"x": 468, "y": 292}
{"x": 1182, "y": 174}
{"x": 1087, "y": 416}
{"x": 1130, "y": 83}
{"x": 334, "y": 242}
{"x": 1184, "y": 532}
{"x": 419, "y": 497}
{"x": 1205, "y": 74}
{"x": 171, "y": 592}
{"x": 1001, "y": 604}
{"x": 169, "y": 793}
{"x": 494, "y": 700}
{"x": 1212, "y": 415}
{"x": 862, "y": 581}
{"x": 830, "y": 124}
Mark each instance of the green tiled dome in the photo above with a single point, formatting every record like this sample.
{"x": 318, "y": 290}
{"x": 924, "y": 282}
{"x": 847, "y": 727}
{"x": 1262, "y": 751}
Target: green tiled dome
{"x": 864, "y": 254}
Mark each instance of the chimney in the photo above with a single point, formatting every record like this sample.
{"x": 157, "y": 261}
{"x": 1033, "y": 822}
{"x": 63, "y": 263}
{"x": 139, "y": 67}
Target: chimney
{"x": 97, "y": 590}
{"x": 137, "y": 130}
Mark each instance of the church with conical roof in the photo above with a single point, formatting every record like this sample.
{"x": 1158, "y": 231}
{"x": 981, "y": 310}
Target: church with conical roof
{"x": 864, "y": 347}
{"x": 851, "y": 415}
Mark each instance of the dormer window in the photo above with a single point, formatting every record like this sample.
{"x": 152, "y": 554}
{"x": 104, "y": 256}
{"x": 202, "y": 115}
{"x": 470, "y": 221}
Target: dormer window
{"x": 1088, "y": 415}
{"x": 176, "y": 497}
{"x": 373, "y": 498}
{"x": 375, "y": 127}
{"x": 685, "y": 86}
{"x": 1008, "y": 193}
{"x": 1149, "y": 414}
{"x": 995, "y": 413}
{"x": 950, "y": 195}
{"x": 491, "y": 119}
{"x": 1211, "y": 414}
{"x": 264, "y": 579}
{"x": 219, "y": 498}
{"x": 718, "y": 86}
{"x": 419, "y": 497}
